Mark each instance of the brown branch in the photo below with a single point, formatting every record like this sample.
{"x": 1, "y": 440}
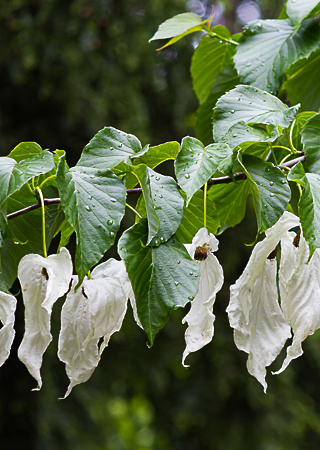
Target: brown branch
{"x": 221, "y": 180}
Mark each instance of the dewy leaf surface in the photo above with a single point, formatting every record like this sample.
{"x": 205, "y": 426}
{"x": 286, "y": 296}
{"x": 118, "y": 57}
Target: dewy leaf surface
{"x": 270, "y": 190}
{"x": 108, "y": 148}
{"x": 271, "y": 46}
{"x": 226, "y": 80}
{"x": 260, "y": 328}
{"x": 200, "y": 318}
{"x": 94, "y": 203}
{"x": 96, "y": 310}
{"x": 209, "y": 58}
{"x": 163, "y": 278}
{"x": 249, "y": 105}
{"x": 310, "y": 137}
{"x": 195, "y": 164}
{"x": 299, "y": 284}
{"x": 13, "y": 174}
{"x": 158, "y": 154}
{"x": 43, "y": 281}
{"x": 299, "y": 10}
{"x": 25, "y": 150}
{"x": 303, "y": 82}
{"x": 8, "y": 305}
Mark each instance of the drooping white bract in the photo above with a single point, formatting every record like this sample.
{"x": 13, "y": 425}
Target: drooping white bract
{"x": 260, "y": 328}
{"x": 200, "y": 317}
{"x": 43, "y": 281}
{"x": 299, "y": 285}
{"x": 96, "y": 310}
{"x": 8, "y": 305}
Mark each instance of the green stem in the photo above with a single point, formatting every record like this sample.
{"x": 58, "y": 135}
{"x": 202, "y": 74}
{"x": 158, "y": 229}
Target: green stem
{"x": 274, "y": 156}
{"x": 89, "y": 275}
{"x": 29, "y": 187}
{"x": 205, "y": 205}
{"x": 282, "y": 146}
{"x": 132, "y": 209}
{"x": 46, "y": 181}
{"x": 230, "y": 41}
{"x": 285, "y": 158}
{"x": 294, "y": 150}
{"x": 43, "y": 223}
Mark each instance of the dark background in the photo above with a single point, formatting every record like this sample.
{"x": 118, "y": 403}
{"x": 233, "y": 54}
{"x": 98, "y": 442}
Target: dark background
{"x": 68, "y": 68}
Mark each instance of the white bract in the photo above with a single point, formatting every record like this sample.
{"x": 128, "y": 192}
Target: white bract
{"x": 8, "y": 305}
{"x": 200, "y": 317}
{"x": 299, "y": 284}
{"x": 43, "y": 281}
{"x": 96, "y": 310}
{"x": 260, "y": 328}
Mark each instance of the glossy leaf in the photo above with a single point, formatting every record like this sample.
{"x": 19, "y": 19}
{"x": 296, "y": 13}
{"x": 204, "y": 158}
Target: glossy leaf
{"x": 226, "y": 80}
{"x": 241, "y": 133}
{"x": 303, "y": 82}
{"x": 301, "y": 120}
{"x": 310, "y": 137}
{"x": 168, "y": 204}
{"x": 178, "y": 24}
{"x": 249, "y": 105}
{"x": 108, "y": 148}
{"x": 13, "y": 174}
{"x": 25, "y": 150}
{"x": 94, "y": 204}
{"x": 193, "y": 218}
{"x": 209, "y": 58}
{"x": 163, "y": 278}
{"x": 158, "y": 154}
{"x": 297, "y": 11}
{"x": 195, "y": 164}
{"x": 270, "y": 47}
{"x": 270, "y": 190}
{"x": 230, "y": 201}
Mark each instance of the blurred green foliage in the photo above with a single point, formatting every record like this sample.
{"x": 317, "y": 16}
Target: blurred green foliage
{"x": 67, "y": 69}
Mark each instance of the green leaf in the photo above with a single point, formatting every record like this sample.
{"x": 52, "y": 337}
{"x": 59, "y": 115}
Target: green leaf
{"x": 27, "y": 230}
{"x": 163, "y": 278}
{"x": 309, "y": 205}
{"x": 193, "y": 218}
{"x": 241, "y": 133}
{"x": 270, "y": 47}
{"x": 168, "y": 204}
{"x": 231, "y": 201}
{"x": 303, "y": 82}
{"x": 250, "y": 105}
{"x": 108, "y": 148}
{"x": 269, "y": 188}
{"x": 195, "y": 164}
{"x": 158, "y": 154}
{"x": 66, "y": 232}
{"x": 226, "y": 80}
{"x": 297, "y": 11}
{"x": 208, "y": 60}
{"x": 25, "y": 150}
{"x": 310, "y": 137}
{"x": 301, "y": 120}
{"x": 142, "y": 174}
{"x": 177, "y": 25}
{"x": 94, "y": 204}
{"x": 13, "y": 174}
